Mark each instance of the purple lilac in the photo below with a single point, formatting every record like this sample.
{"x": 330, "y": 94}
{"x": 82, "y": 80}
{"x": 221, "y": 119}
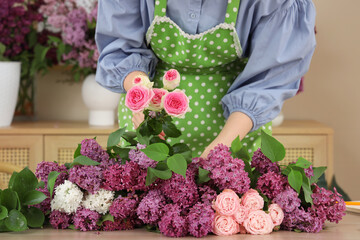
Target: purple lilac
{"x": 288, "y": 200}
{"x": 309, "y": 172}
{"x": 172, "y": 224}
{"x": 91, "y": 149}
{"x": 207, "y": 194}
{"x": 331, "y": 203}
{"x": 200, "y": 219}
{"x": 74, "y": 29}
{"x": 272, "y": 184}
{"x": 85, "y": 219}
{"x": 124, "y": 207}
{"x": 300, "y": 219}
{"x": 118, "y": 224}
{"x": 225, "y": 171}
{"x": 59, "y": 220}
{"x": 263, "y": 164}
{"x": 180, "y": 190}
{"x": 43, "y": 170}
{"x": 150, "y": 207}
{"x": 140, "y": 158}
{"x": 87, "y": 177}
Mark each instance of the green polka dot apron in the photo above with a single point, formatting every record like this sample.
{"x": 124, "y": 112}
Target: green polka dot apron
{"x": 208, "y": 64}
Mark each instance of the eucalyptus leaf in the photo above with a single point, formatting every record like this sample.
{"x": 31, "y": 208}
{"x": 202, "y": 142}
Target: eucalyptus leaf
{"x": 272, "y": 148}
{"x": 203, "y": 175}
{"x": 157, "y": 151}
{"x": 114, "y": 137}
{"x": 83, "y": 160}
{"x": 34, "y": 197}
{"x": 177, "y": 163}
{"x": 302, "y": 163}
{"x": 51, "y": 181}
{"x": 3, "y": 212}
{"x": 171, "y": 130}
{"x": 16, "y": 221}
{"x": 77, "y": 151}
{"x": 34, "y": 216}
{"x": 318, "y": 172}
{"x": 295, "y": 180}
{"x": 9, "y": 199}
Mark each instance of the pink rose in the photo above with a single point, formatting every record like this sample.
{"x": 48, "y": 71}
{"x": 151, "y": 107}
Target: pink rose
{"x": 225, "y": 225}
{"x": 155, "y": 103}
{"x": 138, "y": 98}
{"x": 252, "y": 200}
{"x": 176, "y": 103}
{"x": 276, "y": 214}
{"x": 143, "y": 80}
{"x": 258, "y": 222}
{"x": 227, "y": 203}
{"x": 171, "y": 79}
{"x": 241, "y": 214}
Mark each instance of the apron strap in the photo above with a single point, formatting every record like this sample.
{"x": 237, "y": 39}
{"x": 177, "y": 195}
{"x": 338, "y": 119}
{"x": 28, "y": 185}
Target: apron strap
{"x": 160, "y": 8}
{"x": 232, "y": 11}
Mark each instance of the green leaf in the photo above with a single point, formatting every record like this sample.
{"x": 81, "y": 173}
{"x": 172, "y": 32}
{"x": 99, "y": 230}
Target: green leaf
{"x": 41, "y": 184}
{"x": 51, "y": 181}
{"x": 157, "y": 151}
{"x": 122, "y": 153}
{"x": 142, "y": 139}
{"x": 166, "y": 174}
{"x": 77, "y": 151}
{"x": 16, "y": 221}
{"x": 150, "y": 177}
{"x": 203, "y": 175}
{"x": 307, "y": 189}
{"x": 302, "y": 163}
{"x": 155, "y": 126}
{"x": 130, "y": 137}
{"x": 107, "y": 217}
{"x": 271, "y": 147}
{"x": 12, "y": 179}
{"x": 9, "y": 199}
{"x": 83, "y": 160}
{"x": 236, "y": 145}
{"x": 34, "y": 197}
{"x": 184, "y": 150}
{"x": 177, "y": 163}
{"x": 295, "y": 180}
{"x": 24, "y": 182}
{"x": 3, "y": 228}
{"x": 34, "y": 216}
{"x": 162, "y": 166}
{"x": 144, "y": 129}
{"x": 243, "y": 154}
{"x": 3, "y": 212}
{"x": 114, "y": 138}
{"x": 318, "y": 172}
{"x": 171, "y": 130}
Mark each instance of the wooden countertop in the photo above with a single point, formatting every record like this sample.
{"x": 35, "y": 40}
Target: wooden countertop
{"x": 58, "y": 127}
{"x": 347, "y": 229}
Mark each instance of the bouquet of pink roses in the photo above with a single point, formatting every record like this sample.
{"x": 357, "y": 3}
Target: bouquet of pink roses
{"x": 145, "y": 181}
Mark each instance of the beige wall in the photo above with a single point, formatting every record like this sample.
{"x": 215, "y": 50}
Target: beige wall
{"x": 331, "y": 88}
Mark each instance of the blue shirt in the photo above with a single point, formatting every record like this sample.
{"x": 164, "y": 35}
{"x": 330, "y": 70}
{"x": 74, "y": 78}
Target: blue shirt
{"x": 276, "y": 35}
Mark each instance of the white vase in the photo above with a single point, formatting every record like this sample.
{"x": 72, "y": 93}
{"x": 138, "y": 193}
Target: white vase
{"x": 278, "y": 120}
{"x": 100, "y": 102}
{"x": 9, "y": 89}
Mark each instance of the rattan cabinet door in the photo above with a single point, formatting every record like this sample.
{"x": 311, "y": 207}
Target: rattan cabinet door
{"x": 61, "y": 148}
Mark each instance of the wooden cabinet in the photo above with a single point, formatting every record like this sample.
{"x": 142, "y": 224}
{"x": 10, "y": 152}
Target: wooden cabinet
{"x": 27, "y": 144}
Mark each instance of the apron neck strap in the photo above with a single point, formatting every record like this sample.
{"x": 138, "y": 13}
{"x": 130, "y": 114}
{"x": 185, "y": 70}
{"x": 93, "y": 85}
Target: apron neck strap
{"x": 232, "y": 11}
{"x": 160, "y": 8}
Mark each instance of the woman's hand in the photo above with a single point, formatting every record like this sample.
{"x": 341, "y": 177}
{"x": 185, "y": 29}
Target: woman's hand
{"x": 238, "y": 124}
{"x": 137, "y": 119}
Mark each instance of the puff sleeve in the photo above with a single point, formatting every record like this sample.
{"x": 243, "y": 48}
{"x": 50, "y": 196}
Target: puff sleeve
{"x": 279, "y": 42}
{"x": 120, "y": 38}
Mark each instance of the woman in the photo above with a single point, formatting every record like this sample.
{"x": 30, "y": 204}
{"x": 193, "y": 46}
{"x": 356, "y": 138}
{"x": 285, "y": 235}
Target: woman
{"x": 239, "y": 61}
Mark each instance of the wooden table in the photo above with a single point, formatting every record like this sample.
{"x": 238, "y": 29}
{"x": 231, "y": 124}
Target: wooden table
{"x": 347, "y": 229}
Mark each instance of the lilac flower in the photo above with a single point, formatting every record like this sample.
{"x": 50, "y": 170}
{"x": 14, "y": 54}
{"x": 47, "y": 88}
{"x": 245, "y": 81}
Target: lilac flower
{"x": 272, "y": 184}
{"x": 263, "y": 164}
{"x": 91, "y": 149}
{"x": 140, "y": 158}
{"x": 124, "y": 207}
{"x": 207, "y": 194}
{"x": 86, "y": 177}
{"x": 118, "y": 224}
{"x": 172, "y": 224}
{"x": 200, "y": 219}
{"x": 43, "y": 169}
{"x": 288, "y": 200}
{"x": 59, "y": 220}
{"x": 85, "y": 219}
{"x": 180, "y": 190}
{"x": 150, "y": 207}
{"x": 225, "y": 171}
{"x": 306, "y": 221}
{"x": 309, "y": 172}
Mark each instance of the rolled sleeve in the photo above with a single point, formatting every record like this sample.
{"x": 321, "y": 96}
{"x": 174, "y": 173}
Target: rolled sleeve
{"x": 120, "y": 38}
{"x": 280, "y": 48}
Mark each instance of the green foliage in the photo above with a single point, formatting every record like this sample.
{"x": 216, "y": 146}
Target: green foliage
{"x": 104, "y": 218}
{"x": 83, "y": 160}
{"x": 15, "y": 211}
{"x": 271, "y": 147}
{"x": 177, "y": 163}
{"x": 203, "y": 176}
{"x": 2, "y": 51}
{"x": 115, "y": 137}
{"x": 157, "y": 151}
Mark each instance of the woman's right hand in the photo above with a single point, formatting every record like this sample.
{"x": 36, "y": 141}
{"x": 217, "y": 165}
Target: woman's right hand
{"x": 137, "y": 119}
